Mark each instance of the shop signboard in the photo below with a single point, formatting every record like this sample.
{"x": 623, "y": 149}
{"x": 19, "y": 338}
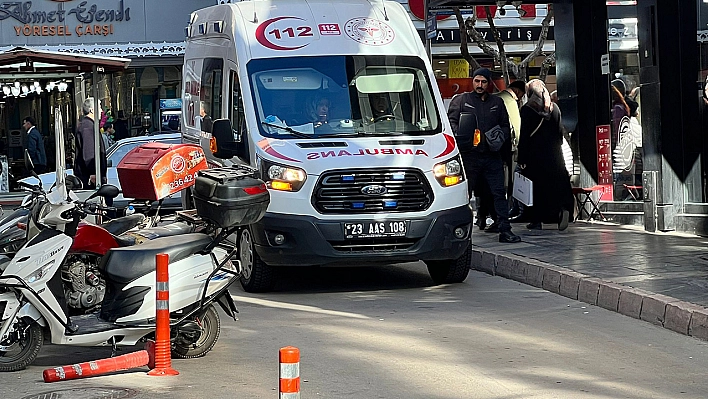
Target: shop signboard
{"x": 605, "y": 64}
{"x": 604, "y": 162}
{"x": 431, "y": 26}
{"x": 171, "y": 103}
{"x": 78, "y": 22}
{"x": 458, "y": 68}
{"x": 506, "y": 33}
{"x": 417, "y": 8}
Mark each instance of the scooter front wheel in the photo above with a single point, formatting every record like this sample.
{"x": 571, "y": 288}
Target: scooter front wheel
{"x": 21, "y": 347}
{"x": 191, "y": 345}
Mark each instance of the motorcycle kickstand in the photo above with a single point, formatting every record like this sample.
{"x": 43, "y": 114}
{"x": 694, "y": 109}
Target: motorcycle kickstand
{"x": 114, "y": 346}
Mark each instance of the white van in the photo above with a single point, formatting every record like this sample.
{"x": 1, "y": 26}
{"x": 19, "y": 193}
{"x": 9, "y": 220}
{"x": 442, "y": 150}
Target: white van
{"x": 336, "y": 104}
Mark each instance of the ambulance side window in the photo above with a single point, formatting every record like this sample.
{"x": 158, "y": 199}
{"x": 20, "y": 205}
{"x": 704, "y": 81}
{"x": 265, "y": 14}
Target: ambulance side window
{"x": 191, "y": 92}
{"x": 236, "y": 105}
{"x": 237, "y": 115}
{"x": 210, "y": 93}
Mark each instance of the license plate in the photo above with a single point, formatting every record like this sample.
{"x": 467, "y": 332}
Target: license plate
{"x": 394, "y": 228}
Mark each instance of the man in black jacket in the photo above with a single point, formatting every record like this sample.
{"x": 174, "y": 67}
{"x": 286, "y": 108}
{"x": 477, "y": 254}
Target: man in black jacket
{"x": 485, "y": 112}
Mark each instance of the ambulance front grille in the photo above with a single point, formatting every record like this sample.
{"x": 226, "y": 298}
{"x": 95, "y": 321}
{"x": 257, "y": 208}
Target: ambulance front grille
{"x": 369, "y": 191}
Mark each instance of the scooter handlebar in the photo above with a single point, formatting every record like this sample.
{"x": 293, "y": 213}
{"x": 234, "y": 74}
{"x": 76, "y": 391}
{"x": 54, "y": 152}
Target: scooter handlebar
{"x": 28, "y": 186}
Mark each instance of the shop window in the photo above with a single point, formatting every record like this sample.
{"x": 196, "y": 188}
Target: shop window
{"x": 627, "y": 146}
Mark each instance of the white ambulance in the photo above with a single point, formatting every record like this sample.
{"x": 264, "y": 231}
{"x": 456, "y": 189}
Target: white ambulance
{"x": 336, "y": 105}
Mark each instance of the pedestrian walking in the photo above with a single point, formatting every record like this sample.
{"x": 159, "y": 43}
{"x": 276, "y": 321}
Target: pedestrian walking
{"x": 35, "y": 145}
{"x": 474, "y": 116}
{"x": 541, "y": 159}
{"x": 512, "y": 96}
{"x": 85, "y": 164}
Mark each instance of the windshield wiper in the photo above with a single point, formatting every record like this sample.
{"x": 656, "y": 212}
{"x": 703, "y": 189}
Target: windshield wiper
{"x": 289, "y": 130}
{"x": 355, "y": 134}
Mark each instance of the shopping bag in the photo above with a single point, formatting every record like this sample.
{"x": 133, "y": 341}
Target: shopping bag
{"x": 567, "y": 156}
{"x": 523, "y": 189}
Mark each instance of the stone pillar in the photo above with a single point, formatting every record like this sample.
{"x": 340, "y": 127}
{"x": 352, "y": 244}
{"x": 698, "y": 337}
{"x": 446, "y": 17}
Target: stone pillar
{"x": 581, "y": 40}
{"x": 668, "y": 58}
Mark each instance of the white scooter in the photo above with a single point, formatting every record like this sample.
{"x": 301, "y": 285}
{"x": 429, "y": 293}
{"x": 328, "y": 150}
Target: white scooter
{"x": 32, "y": 299}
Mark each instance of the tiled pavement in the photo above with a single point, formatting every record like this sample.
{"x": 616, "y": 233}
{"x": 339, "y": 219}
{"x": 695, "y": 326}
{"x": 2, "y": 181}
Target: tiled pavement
{"x": 658, "y": 277}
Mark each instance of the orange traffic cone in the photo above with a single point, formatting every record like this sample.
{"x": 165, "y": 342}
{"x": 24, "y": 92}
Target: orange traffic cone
{"x": 289, "y": 373}
{"x": 163, "y": 359}
{"x": 97, "y": 367}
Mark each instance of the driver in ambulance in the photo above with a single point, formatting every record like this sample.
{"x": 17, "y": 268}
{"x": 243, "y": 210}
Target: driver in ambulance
{"x": 380, "y": 107}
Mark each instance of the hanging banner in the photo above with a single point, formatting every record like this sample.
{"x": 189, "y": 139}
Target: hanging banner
{"x": 604, "y": 162}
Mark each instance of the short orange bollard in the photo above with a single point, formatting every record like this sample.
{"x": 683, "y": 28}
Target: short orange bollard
{"x": 289, "y": 373}
{"x": 163, "y": 359}
{"x": 96, "y": 367}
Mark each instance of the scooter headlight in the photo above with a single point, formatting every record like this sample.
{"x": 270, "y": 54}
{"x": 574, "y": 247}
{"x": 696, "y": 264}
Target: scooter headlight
{"x": 449, "y": 173}
{"x": 283, "y": 178}
{"x": 41, "y": 272}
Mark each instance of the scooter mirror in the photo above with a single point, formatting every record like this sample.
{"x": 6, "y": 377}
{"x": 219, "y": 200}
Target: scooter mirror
{"x": 73, "y": 183}
{"x": 106, "y": 191}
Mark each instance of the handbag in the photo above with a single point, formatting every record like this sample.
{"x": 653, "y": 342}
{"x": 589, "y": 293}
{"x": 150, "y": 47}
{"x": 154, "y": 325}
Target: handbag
{"x": 495, "y": 138}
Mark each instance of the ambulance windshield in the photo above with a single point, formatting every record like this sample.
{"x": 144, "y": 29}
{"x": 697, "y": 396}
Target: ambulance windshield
{"x": 332, "y": 96}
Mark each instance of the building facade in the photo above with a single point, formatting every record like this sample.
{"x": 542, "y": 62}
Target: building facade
{"x": 631, "y": 78}
{"x": 148, "y": 32}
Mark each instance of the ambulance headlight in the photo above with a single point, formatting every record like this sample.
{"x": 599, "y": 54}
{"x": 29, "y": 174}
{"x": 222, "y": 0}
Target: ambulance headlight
{"x": 449, "y": 173}
{"x": 283, "y": 178}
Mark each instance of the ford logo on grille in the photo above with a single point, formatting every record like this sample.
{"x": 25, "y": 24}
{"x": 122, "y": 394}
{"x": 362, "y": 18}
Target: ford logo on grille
{"x": 374, "y": 189}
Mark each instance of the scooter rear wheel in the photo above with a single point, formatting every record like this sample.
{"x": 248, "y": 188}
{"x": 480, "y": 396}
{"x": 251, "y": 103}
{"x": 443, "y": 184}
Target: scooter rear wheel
{"x": 23, "y": 346}
{"x": 186, "y": 347}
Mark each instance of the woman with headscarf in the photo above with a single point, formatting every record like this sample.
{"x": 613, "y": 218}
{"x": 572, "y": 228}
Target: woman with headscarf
{"x": 318, "y": 110}
{"x": 541, "y": 159}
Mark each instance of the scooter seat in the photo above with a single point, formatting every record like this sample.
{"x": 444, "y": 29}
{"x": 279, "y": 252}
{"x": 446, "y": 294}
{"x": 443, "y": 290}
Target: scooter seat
{"x": 123, "y": 265}
{"x": 122, "y": 224}
{"x": 168, "y": 230}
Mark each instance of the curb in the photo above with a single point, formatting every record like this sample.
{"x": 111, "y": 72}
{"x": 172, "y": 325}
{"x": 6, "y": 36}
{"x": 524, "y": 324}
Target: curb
{"x": 676, "y": 315}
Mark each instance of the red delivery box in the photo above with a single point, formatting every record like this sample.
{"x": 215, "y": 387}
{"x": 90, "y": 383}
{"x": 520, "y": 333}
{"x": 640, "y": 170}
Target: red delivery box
{"x": 155, "y": 170}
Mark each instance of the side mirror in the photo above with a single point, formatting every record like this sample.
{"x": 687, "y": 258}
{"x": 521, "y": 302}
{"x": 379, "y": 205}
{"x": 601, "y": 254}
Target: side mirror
{"x": 222, "y": 142}
{"x": 106, "y": 191}
{"x": 73, "y": 183}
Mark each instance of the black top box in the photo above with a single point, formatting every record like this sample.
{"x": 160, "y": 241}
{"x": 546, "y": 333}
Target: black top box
{"x": 230, "y": 196}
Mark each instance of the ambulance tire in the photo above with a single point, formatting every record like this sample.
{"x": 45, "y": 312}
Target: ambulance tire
{"x": 450, "y": 271}
{"x": 256, "y": 275}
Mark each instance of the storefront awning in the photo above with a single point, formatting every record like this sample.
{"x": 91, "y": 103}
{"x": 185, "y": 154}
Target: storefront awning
{"x": 31, "y": 61}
